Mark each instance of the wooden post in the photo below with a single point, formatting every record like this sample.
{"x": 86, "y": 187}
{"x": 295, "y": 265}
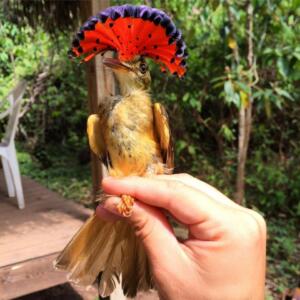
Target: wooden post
{"x": 100, "y": 84}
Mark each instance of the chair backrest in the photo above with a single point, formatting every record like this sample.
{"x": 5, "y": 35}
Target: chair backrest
{"x": 15, "y": 100}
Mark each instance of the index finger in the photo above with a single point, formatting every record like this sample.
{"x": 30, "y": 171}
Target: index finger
{"x": 200, "y": 185}
{"x": 188, "y": 205}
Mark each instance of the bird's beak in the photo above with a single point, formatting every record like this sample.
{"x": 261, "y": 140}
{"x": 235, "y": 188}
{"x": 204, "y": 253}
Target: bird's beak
{"x": 115, "y": 64}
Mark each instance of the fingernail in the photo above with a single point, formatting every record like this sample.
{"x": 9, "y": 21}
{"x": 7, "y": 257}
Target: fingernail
{"x": 111, "y": 205}
{"x": 118, "y": 207}
{"x": 105, "y": 214}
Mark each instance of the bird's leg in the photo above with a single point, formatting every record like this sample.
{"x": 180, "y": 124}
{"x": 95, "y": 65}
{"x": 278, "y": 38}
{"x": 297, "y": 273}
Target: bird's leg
{"x": 101, "y": 197}
{"x": 126, "y": 205}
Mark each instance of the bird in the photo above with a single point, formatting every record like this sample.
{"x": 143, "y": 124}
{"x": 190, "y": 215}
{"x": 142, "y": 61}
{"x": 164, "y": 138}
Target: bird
{"x": 130, "y": 134}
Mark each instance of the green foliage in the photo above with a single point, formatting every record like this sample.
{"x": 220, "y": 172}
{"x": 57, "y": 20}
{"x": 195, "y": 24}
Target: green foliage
{"x": 283, "y": 253}
{"x": 62, "y": 105}
{"x": 66, "y": 175}
{"x": 23, "y": 52}
{"x": 56, "y": 106}
{"x": 274, "y": 185}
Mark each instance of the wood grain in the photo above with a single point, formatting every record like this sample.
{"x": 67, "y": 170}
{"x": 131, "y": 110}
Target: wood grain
{"x": 31, "y": 238}
{"x": 28, "y": 277}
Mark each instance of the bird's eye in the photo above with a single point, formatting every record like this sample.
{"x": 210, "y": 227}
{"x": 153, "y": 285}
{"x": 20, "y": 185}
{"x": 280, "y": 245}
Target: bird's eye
{"x": 143, "y": 68}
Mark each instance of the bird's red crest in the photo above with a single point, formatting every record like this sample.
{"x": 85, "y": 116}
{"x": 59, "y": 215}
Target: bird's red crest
{"x": 133, "y": 30}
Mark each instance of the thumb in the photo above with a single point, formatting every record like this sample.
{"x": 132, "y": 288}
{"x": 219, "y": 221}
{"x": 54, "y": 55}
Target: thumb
{"x": 152, "y": 228}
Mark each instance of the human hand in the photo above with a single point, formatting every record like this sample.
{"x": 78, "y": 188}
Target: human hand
{"x": 224, "y": 255}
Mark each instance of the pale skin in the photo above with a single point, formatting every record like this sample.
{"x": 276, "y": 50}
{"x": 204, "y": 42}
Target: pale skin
{"x": 224, "y": 256}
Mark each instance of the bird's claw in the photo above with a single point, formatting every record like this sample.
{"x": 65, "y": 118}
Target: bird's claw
{"x": 125, "y": 206}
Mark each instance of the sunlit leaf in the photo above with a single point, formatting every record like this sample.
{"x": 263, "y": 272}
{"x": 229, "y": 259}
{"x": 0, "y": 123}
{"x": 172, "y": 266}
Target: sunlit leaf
{"x": 230, "y": 95}
{"x": 191, "y": 150}
{"x": 180, "y": 145}
{"x": 228, "y": 88}
{"x": 283, "y": 66}
{"x": 231, "y": 43}
{"x": 283, "y": 93}
{"x": 227, "y": 133}
{"x": 244, "y": 87}
{"x": 185, "y": 97}
{"x": 244, "y": 98}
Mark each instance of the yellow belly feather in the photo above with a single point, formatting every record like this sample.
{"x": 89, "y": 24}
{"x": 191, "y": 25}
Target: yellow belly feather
{"x": 130, "y": 138}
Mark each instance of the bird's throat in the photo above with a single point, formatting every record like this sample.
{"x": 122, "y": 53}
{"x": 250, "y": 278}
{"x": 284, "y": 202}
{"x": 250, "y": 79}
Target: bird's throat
{"x": 127, "y": 85}
{"x": 126, "y": 88}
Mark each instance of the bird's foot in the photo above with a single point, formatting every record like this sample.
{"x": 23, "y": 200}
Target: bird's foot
{"x": 126, "y": 205}
{"x": 101, "y": 197}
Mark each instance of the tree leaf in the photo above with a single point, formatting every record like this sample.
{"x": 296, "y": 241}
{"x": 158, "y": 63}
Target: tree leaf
{"x": 244, "y": 98}
{"x": 244, "y": 87}
{"x": 268, "y": 108}
{"x": 231, "y": 43}
{"x": 230, "y": 95}
{"x": 283, "y": 66}
{"x": 228, "y": 88}
{"x": 283, "y": 93}
{"x": 227, "y": 133}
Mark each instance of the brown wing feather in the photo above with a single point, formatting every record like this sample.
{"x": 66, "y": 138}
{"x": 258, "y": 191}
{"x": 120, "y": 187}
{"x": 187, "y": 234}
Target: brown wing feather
{"x": 96, "y": 140}
{"x": 95, "y": 135}
{"x": 162, "y": 128}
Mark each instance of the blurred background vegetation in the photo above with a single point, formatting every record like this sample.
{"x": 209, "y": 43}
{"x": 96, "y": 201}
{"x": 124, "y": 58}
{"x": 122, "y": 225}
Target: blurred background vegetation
{"x": 243, "y": 68}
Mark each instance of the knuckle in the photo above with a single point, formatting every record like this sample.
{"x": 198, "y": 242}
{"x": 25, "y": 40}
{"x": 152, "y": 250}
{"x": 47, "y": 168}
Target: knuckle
{"x": 255, "y": 226}
{"x": 245, "y": 228}
{"x": 184, "y": 176}
{"x": 260, "y": 222}
{"x": 174, "y": 185}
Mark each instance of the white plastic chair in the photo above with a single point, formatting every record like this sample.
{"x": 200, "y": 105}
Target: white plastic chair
{"x": 7, "y": 146}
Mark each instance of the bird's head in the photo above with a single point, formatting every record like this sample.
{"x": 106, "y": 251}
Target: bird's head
{"x": 132, "y": 75}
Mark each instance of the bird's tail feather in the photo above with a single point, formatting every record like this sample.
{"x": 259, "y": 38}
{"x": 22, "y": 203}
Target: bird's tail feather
{"x": 108, "y": 248}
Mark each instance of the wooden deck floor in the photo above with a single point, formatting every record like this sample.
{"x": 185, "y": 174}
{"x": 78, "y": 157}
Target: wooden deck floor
{"x": 30, "y": 239}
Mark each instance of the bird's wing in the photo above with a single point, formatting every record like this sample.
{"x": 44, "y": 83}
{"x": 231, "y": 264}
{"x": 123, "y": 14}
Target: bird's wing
{"x": 95, "y": 137}
{"x": 162, "y": 129}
